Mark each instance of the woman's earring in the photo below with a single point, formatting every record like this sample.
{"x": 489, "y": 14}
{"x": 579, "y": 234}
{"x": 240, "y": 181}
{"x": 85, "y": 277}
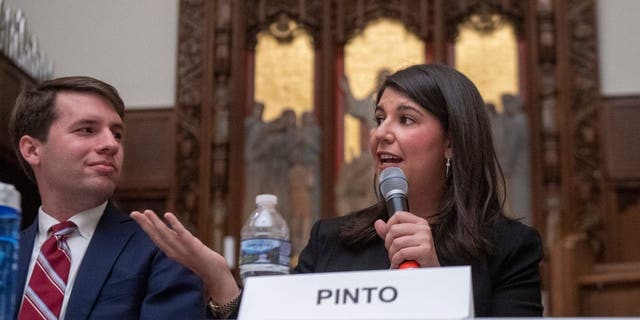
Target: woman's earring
{"x": 448, "y": 166}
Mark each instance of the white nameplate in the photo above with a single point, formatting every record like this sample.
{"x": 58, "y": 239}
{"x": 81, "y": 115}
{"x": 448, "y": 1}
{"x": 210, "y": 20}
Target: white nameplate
{"x": 426, "y": 293}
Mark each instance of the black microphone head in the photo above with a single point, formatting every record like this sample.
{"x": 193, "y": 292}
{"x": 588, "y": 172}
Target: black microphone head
{"x": 392, "y": 181}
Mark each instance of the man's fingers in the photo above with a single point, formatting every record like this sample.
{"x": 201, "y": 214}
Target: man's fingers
{"x": 159, "y": 226}
{"x": 176, "y": 225}
{"x": 143, "y": 221}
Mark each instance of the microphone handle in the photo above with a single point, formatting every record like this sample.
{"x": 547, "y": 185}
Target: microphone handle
{"x": 409, "y": 264}
{"x": 395, "y": 203}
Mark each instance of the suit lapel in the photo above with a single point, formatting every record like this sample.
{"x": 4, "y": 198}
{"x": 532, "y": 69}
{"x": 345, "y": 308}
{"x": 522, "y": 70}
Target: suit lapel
{"x": 27, "y": 237}
{"x": 109, "y": 239}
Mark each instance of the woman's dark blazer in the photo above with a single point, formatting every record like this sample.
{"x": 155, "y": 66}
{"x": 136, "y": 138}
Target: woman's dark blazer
{"x": 505, "y": 283}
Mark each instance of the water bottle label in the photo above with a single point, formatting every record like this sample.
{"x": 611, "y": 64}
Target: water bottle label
{"x": 265, "y": 251}
{"x": 8, "y": 277}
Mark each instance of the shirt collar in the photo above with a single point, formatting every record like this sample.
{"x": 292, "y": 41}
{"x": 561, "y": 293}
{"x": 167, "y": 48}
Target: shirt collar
{"x": 87, "y": 221}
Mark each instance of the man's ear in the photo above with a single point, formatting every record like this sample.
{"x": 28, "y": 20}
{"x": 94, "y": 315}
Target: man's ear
{"x": 30, "y": 149}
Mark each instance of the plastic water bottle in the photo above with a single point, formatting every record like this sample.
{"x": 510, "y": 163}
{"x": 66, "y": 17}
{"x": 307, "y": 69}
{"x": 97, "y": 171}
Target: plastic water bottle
{"x": 9, "y": 233}
{"x": 264, "y": 247}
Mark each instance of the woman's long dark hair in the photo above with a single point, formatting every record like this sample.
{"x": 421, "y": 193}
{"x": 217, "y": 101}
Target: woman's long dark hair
{"x": 472, "y": 202}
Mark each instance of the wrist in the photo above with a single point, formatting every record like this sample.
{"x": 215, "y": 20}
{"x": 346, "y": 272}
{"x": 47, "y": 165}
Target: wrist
{"x": 223, "y": 310}
{"x": 223, "y": 287}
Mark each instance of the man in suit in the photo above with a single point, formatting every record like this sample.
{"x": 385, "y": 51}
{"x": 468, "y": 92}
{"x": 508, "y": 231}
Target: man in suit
{"x": 68, "y": 136}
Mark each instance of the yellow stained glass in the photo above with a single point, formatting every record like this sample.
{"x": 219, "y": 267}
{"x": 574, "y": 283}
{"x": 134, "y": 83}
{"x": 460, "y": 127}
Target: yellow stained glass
{"x": 284, "y": 74}
{"x": 384, "y": 44}
{"x": 489, "y": 60}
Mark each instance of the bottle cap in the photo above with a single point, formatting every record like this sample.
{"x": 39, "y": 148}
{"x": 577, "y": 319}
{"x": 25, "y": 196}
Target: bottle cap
{"x": 9, "y": 196}
{"x": 264, "y": 199}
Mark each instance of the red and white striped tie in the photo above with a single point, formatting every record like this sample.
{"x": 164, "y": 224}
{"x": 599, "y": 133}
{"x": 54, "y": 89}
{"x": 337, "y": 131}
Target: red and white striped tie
{"x": 45, "y": 292}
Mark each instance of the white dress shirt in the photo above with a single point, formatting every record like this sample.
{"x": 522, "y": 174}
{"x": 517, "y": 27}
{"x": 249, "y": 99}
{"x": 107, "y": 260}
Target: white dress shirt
{"x": 78, "y": 241}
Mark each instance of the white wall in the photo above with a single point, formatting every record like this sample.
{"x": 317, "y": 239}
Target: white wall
{"x": 618, "y": 30}
{"x": 130, "y": 44}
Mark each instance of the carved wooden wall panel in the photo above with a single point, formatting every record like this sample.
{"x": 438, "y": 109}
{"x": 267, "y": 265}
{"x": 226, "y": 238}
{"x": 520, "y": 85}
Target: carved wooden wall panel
{"x": 188, "y": 109}
{"x": 546, "y": 146}
{"x": 620, "y": 118}
{"x": 578, "y": 115}
{"x": 620, "y": 137}
{"x": 458, "y": 11}
{"x": 561, "y": 85}
{"x": 613, "y": 300}
{"x": 202, "y": 94}
{"x": 621, "y": 220}
{"x": 559, "y": 133}
{"x": 147, "y": 169}
{"x": 148, "y": 162}
{"x": 13, "y": 80}
{"x": 221, "y": 105}
{"x": 353, "y": 16}
{"x": 261, "y": 14}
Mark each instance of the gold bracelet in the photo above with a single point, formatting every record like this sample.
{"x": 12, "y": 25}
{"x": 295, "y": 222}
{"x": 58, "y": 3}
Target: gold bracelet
{"x": 223, "y": 310}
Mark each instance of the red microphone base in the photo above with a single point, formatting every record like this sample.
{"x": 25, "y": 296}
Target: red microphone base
{"x": 409, "y": 264}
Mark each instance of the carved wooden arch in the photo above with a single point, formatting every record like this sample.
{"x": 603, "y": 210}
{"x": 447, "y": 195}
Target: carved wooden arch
{"x": 562, "y": 66}
{"x": 353, "y": 16}
{"x": 459, "y": 11}
{"x": 262, "y": 15}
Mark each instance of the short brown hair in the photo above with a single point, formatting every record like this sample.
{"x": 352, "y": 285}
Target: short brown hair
{"x": 34, "y": 111}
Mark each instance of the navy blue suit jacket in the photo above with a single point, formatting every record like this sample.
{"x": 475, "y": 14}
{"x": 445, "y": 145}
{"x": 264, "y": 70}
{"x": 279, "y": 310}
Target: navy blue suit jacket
{"x": 123, "y": 275}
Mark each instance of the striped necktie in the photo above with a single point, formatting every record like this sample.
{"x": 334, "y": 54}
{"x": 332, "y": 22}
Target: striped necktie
{"x": 45, "y": 292}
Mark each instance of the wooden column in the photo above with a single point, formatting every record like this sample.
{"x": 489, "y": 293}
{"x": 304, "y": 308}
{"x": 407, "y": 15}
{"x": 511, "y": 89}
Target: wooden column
{"x": 327, "y": 118}
{"x": 236, "y": 118}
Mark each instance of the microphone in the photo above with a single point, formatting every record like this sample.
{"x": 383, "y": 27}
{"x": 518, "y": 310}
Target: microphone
{"x": 393, "y": 186}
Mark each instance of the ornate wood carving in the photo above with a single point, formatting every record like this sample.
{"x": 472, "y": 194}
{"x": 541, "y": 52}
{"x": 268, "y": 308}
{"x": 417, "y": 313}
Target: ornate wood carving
{"x": 265, "y": 13}
{"x": 185, "y": 192}
{"x": 562, "y": 75}
{"x": 353, "y": 16}
{"x": 200, "y": 188}
{"x": 220, "y": 158}
{"x": 459, "y": 11}
{"x": 583, "y": 57}
{"x": 548, "y": 199}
